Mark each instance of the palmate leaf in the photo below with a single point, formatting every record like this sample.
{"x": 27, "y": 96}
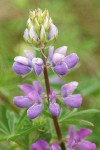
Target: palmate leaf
{"x": 21, "y": 121}
{"x": 3, "y": 137}
{"x": 78, "y": 122}
{"x": 4, "y": 120}
{"x": 74, "y": 113}
{"x": 11, "y": 122}
{"x": 87, "y": 123}
{"x": 24, "y": 133}
{"x": 3, "y": 128}
{"x": 83, "y": 112}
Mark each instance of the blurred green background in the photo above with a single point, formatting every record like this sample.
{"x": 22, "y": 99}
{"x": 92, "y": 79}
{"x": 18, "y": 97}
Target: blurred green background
{"x": 78, "y": 23}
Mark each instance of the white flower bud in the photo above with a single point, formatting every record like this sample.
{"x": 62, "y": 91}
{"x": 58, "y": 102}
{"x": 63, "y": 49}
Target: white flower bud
{"x": 53, "y": 31}
{"x": 26, "y": 34}
{"x": 40, "y": 28}
{"x": 29, "y": 23}
{"x": 43, "y": 34}
{"x": 22, "y": 60}
{"x": 32, "y": 33}
{"x": 38, "y": 61}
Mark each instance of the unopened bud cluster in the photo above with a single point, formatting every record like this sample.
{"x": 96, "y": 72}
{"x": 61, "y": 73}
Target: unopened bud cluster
{"x": 40, "y": 28}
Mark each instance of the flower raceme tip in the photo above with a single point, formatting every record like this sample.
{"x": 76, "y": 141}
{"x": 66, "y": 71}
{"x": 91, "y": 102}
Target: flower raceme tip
{"x": 40, "y": 28}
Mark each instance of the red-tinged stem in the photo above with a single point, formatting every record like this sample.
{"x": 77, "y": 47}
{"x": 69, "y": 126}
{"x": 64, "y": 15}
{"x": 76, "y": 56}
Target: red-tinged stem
{"x": 55, "y": 120}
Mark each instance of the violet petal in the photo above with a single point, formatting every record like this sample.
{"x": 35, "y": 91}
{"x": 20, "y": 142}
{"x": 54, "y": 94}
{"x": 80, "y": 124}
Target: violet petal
{"x": 61, "y": 69}
{"x": 34, "y": 96}
{"x": 34, "y": 111}
{"x": 38, "y": 87}
{"x": 82, "y": 134}
{"x": 29, "y": 54}
{"x": 50, "y": 54}
{"x": 32, "y": 33}
{"x": 70, "y": 137}
{"x": 53, "y": 96}
{"x": 26, "y": 88}
{"x": 40, "y": 145}
{"x": 38, "y": 69}
{"x": 54, "y": 109}
{"x": 55, "y": 146}
{"x": 71, "y": 132}
{"x": 57, "y": 58}
{"x": 53, "y": 31}
{"x": 37, "y": 61}
{"x": 22, "y": 60}
{"x": 68, "y": 88}
{"x": 26, "y": 34}
{"x": 22, "y": 101}
{"x": 86, "y": 145}
{"x": 61, "y": 50}
{"x": 71, "y": 60}
{"x": 21, "y": 69}
{"x": 73, "y": 101}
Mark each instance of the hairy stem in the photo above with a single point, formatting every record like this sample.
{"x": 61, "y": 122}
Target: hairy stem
{"x": 55, "y": 121}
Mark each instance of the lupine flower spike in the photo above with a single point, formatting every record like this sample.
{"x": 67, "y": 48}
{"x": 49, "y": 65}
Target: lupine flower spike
{"x": 42, "y": 33}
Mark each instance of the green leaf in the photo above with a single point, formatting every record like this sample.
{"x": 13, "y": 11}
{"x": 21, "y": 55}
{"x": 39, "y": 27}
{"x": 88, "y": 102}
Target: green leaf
{"x": 74, "y": 113}
{"x": 84, "y": 112}
{"x": 24, "y": 133}
{"x": 11, "y": 121}
{"x": 3, "y": 128}
{"x": 87, "y": 123}
{"x": 4, "y": 118}
{"x": 78, "y": 121}
{"x": 64, "y": 115}
{"x": 21, "y": 121}
{"x": 47, "y": 114}
{"x": 3, "y": 137}
{"x": 45, "y": 136}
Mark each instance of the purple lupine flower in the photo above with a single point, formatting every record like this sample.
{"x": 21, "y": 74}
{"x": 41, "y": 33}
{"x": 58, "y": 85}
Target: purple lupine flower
{"x": 24, "y": 65}
{"x": 32, "y": 99}
{"x": 77, "y": 139}
{"x": 53, "y": 106}
{"x": 60, "y": 62}
{"x": 43, "y": 145}
{"x": 40, "y": 145}
{"x": 73, "y": 101}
